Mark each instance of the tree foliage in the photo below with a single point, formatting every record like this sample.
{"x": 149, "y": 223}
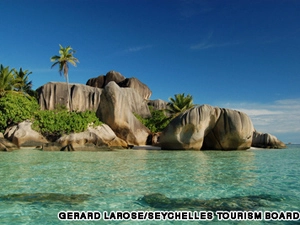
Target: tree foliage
{"x": 21, "y": 81}
{"x": 157, "y": 122}
{"x": 11, "y": 79}
{"x": 58, "y": 122}
{"x": 179, "y": 104}
{"x": 62, "y": 60}
{"x": 6, "y": 79}
{"x": 16, "y": 107}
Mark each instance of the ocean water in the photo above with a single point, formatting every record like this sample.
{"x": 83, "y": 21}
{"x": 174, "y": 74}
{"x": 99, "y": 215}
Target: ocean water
{"x": 35, "y": 185}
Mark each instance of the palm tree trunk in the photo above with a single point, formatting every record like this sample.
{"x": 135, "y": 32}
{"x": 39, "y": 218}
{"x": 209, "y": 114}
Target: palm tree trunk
{"x": 69, "y": 94}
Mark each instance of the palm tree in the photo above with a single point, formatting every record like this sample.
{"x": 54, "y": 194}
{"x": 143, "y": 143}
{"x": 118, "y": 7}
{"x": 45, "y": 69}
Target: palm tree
{"x": 21, "y": 83}
{"x": 179, "y": 104}
{"x": 62, "y": 60}
{"x": 6, "y": 79}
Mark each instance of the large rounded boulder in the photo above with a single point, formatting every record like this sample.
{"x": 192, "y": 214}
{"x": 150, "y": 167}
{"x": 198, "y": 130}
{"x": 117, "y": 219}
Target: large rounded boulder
{"x": 94, "y": 138}
{"x": 207, "y": 127}
{"x": 233, "y": 131}
{"x": 187, "y": 131}
{"x": 22, "y": 135}
{"x": 265, "y": 140}
{"x": 134, "y": 83}
{"x": 117, "y": 108}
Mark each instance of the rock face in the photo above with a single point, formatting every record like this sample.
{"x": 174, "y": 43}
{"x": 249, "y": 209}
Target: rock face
{"x": 233, "y": 130}
{"x": 55, "y": 94}
{"x": 264, "y": 140}
{"x": 187, "y": 131}
{"x": 116, "y": 109}
{"x": 137, "y": 85}
{"x": 96, "y": 81}
{"x": 158, "y": 104}
{"x": 22, "y": 135}
{"x": 6, "y": 145}
{"x": 207, "y": 127}
{"x": 92, "y": 139}
{"x": 101, "y": 81}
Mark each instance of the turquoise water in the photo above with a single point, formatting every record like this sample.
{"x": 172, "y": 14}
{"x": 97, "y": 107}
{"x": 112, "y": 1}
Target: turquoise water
{"x": 36, "y": 185}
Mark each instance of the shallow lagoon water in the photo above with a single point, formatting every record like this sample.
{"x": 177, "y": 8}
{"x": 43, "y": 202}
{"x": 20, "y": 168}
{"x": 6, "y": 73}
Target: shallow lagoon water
{"x": 36, "y": 185}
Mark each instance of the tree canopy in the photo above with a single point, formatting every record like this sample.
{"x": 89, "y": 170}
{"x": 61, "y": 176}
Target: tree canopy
{"x": 6, "y": 79}
{"x": 179, "y": 104}
{"x": 13, "y": 80}
{"x": 62, "y": 60}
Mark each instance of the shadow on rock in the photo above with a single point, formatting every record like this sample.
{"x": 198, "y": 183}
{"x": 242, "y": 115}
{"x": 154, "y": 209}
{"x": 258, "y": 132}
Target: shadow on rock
{"x": 239, "y": 203}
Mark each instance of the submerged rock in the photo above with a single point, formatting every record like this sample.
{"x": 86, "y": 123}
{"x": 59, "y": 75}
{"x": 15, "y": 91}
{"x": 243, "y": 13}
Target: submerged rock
{"x": 45, "y": 198}
{"x": 238, "y": 203}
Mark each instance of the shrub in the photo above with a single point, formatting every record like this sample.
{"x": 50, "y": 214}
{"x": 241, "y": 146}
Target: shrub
{"x": 54, "y": 123}
{"x": 157, "y": 122}
{"x": 15, "y": 108}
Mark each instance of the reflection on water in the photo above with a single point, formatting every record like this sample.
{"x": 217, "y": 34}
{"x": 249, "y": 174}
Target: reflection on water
{"x": 111, "y": 181}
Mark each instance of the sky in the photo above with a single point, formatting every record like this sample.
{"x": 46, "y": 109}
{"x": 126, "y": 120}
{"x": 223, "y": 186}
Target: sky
{"x": 238, "y": 54}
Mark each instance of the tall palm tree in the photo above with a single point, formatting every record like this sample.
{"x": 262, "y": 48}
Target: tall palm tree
{"x": 21, "y": 82}
{"x": 62, "y": 60}
{"x": 6, "y": 79}
{"x": 179, "y": 104}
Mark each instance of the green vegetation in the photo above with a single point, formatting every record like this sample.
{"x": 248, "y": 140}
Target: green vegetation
{"x": 179, "y": 104}
{"x": 17, "y": 104}
{"x": 54, "y": 123}
{"x": 13, "y": 80}
{"x": 6, "y": 79}
{"x": 159, "y": 119}
{"x": 21, "y": 82}
{"x": 157, "y": 122}
{"x": 16, "y": 107}
{"x": 62, "y": 60}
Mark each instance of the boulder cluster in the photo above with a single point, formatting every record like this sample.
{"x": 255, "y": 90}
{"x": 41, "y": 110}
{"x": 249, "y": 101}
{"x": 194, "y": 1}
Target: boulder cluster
{"x": 116, "y": 100}
{"x": 212, "y": 128}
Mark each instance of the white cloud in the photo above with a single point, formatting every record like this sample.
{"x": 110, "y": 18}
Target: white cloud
{"x": 206, "y": 45}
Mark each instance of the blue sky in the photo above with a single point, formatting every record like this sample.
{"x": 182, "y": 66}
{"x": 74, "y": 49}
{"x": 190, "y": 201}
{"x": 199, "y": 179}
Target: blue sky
{"x": 239, "y": 54}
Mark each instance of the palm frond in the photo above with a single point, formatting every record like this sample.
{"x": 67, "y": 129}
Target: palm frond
{"x": 179, "y": 104}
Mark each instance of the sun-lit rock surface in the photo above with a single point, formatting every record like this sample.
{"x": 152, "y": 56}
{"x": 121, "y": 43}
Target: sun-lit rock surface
{"x": 22, "y": 135}
{"x": 207, "y": 127}
{"x": 116, "y": 109}
{"x": 265, "y": 140}
{"x": 55, "y": 94}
